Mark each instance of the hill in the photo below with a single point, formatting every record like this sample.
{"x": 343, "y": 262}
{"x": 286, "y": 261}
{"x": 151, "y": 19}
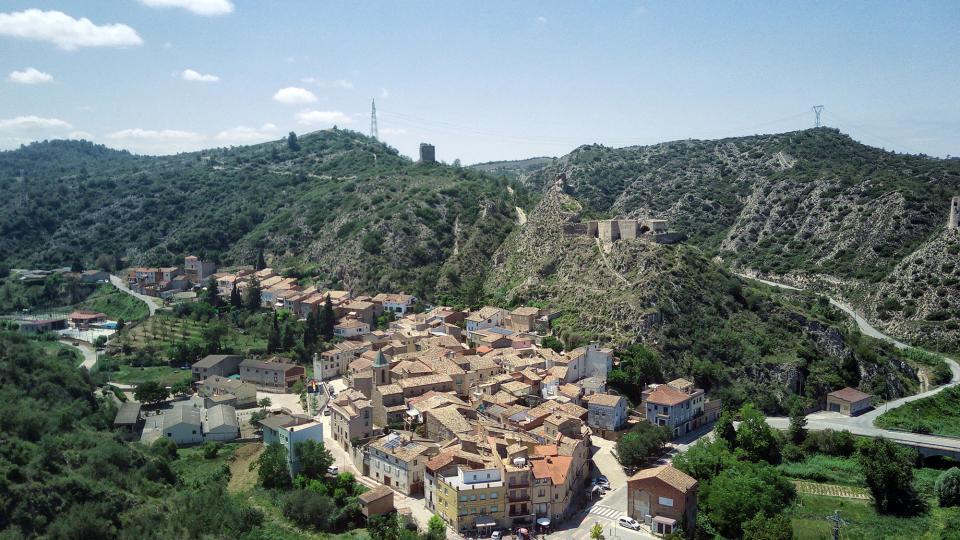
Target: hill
{"x": 342, "y": 208}
{"x": 748, "y": 343}
{"x": 515, "y": 168}
{"x": 812, "y": 207}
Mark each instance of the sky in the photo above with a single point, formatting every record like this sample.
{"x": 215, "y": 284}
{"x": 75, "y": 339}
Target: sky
{"x": 482, "y": 81}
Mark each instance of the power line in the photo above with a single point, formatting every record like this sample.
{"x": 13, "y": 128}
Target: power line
{"x": 836, "y": 523}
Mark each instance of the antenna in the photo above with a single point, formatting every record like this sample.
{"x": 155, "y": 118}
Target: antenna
{"x": 373, "y": 120}
{"x": 837, "y": 522}
{"x": 817, "y": 109}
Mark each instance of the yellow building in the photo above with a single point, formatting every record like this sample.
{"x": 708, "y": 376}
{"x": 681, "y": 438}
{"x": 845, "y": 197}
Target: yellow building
{"x": 471, "y": 499}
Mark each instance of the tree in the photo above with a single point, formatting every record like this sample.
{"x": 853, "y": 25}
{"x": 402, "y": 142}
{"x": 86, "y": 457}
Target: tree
{"x": 76, "y": 266}
{"x": 328, "y": 319}
{"x": 705, "y": 459}
{"x": 273, "y": 335}
{"x": 596, "y": 532}
{"x": 212, "y": 294}
{"x": 888, "y": 471}
{"x": 150, "y": 392}
{"x": 182, "y": 387}
{"x": 292, "y": 142}
{"x": 235, "y": 299}
{"x": 314, "y": 458}
{"x": 271, "y": 467}
{"x": 211, "y": 335}
{"x": 265, "y": 403}
{"x": 762, "y": 527}
{"x": 798, "y": 425}
{"x": 309, "y": 508}
{"x": 120, "y": 324}
{"x": 252, "y": 296}
{"x": 742, "y": 491}
{"x": 104, "y": 262}
{"x": 436, "y": 529}
{"x": 551, "y": 342}
{"x": 211, "y": 449}
{"x": 256, "y": 417}
{"x": 260, "y": 263}
{"x": 755, "y": 438}
{"x": 947, "y": 487}
{"x": 310, "y": 331}
{"x": 644, "y": 442}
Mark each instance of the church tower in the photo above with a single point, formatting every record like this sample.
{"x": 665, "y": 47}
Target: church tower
{"x": 954, "y": 221}
{"x": 381, "y": 370}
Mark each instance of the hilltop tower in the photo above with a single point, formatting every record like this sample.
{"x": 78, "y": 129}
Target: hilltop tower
{"x": 428, "y": 153}
{"x": 954, "y": 221}
{"x": 381, "y": 370}
{"x": 374, "y": 132}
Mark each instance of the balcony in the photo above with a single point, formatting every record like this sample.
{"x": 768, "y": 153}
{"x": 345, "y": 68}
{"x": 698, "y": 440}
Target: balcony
{"x": 520, "y": 512}
{"x": 515, "y": 483}
{"x": 518, "y": 496}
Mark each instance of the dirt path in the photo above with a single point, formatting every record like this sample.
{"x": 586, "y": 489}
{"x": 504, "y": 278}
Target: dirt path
{"x": 241, "y": 477}
{"x": 603, "y": 256}
{"x": 521, "y": 216}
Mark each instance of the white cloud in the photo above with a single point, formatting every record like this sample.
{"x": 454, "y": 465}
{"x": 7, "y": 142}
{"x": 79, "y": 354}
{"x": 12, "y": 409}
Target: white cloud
{"x": 151, "y": 134}
{"x": 199, "y": 7}
{"x": 393, "y": 131}
{"x": 384, "y": 93}
{"x": 167, "y": 45}
{"x": 151, "y": 141}
{"x": 31, "y": 123}
{"x": 80, "y": 135}
{"x": 191, "y": 75}
{"x": 318, "y": 118}
{"x": 310, "y": 80}
{"x": 294, "y": 96}
{"x": 342, "y": 83}
{"x": 29, "y": 76}
{"x": 64, "y": 31}
{"x": 246, "y": 135}
{"x": 542, "y": 20}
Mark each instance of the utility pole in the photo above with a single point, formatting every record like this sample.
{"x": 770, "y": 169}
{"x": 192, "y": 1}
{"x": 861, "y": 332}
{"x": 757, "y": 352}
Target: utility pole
{"x": 817, "y": 109}
{"x": 374, "y": 132}
{"x": 837, "y": 522}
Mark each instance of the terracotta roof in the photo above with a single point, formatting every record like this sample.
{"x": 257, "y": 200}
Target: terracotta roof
{"x": 668, "y": 474}
{"x": 667, "y": 395}
{"x": 605, "y": 400}
{"x": 851, "y": 395}
{"x": 378, "y": 492}
{"x": 525, "y": 311}
{"x": 554, "y": 467}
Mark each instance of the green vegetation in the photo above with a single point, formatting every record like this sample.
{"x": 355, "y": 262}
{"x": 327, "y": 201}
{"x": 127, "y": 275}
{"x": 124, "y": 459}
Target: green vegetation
{"x": 643, "y": 443}
{"x": 939, "y": 414}
{"x": 115, "y": 304}
{"x": 939, "y": 370}
{"x": 333, "y": 205}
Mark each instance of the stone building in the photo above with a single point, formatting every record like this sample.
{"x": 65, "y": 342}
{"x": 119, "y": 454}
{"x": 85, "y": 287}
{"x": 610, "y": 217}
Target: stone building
{"x": 428, "y": 153}
{"x": 954, "y": 220}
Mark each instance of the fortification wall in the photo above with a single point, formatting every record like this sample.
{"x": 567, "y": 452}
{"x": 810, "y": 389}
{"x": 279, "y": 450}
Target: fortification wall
{"x": 954, "y": 221}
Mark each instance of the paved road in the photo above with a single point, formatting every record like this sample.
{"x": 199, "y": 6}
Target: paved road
{"x": 863, "y": 424}
{"x": 152, "y": 303}
{"x": 88, "y": 352}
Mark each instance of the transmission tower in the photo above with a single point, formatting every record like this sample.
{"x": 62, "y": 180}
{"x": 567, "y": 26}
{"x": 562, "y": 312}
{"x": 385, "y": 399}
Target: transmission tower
{"x": 373, "y": 120}
{"x": 836, "y": 522}
{"x": 817, "y": 109}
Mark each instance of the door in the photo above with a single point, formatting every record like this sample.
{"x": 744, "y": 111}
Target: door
{"x": 386, "y": 481}
{"x": 641, "y": 505}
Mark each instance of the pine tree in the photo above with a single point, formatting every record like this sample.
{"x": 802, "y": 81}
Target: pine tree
{"x": 797, "y": 431}
{"x": 310, "y": 331}
{"x": 253, "y": 300}
{"x": 273, "y": 338}
{"x": 212, "y": 295}
{"x": 288, "y": 337}
{"x": 327, "y": 320}
{"x": 260, "y": 263}
{"x": 292, "y": 142}
{"x": 235, "y": 299}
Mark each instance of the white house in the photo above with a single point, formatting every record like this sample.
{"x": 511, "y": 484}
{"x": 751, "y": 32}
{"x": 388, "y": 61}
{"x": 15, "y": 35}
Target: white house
{"x": 288, "y": 431}
{"x": 398, "y": 304}
{"x": 485, "y": 317}
{"x": 220, "y": 423}
{"x": 351, "y": 328}
{"x": 182, "y": 425}
{"x": 606, "y": 411}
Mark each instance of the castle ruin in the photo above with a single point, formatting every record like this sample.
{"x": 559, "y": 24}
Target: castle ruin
{"x": 954, "y": 221}
{"x": 612, "y": 230}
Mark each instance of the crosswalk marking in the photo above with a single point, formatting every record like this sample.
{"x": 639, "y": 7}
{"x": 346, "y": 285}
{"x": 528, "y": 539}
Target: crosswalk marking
{"x": 605, "y": 511}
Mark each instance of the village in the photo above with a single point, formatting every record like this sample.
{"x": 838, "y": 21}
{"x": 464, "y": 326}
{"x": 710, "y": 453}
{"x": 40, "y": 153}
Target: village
{"x": 466, "y": 415}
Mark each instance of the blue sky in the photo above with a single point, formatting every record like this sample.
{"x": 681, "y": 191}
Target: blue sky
{"x": 480, "y": 80}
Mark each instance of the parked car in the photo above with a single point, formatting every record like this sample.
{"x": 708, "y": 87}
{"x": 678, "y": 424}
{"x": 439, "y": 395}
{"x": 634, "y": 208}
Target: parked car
{"x": 629, "y": 523}
{"x": 496, "y": 535}
{"x": 326, "y": 411}
{"x": 602, "y": 480}
{"x": 333, "y": 470}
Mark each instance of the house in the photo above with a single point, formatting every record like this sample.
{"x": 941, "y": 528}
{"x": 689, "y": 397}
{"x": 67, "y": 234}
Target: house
{"x": 679, "y": 405}
{"x": 606, "y": 411}
{"x": 94, "y": 276}
{"x": 524, "y": 319}
{"x": 275, "y": 374}
{"x": 376, "y": 502}
{"x": 665, "y": 496}
{"x": 182, "y": 425}
{"x": 36, "y": 326}
{"x": 288, "y": 431}
{"x": 220, "y": 423}
{"x": 471, "y": 496}
{"x": 593, "y": 385}
{"x": 350, "y": 328}
{"x": 223, "y": 365}
{"x": 337, "y": 360}
{"x": 351, "y": 417}
{"x": 848, "y": 401}
{"x": 83, "y": 319}
{"x": 232, "y": 392}
{"x": 485, "y": 317}
{"x": 361, "y": 310}
{"x": 398, "y": 304}
{"x": 398, "y": 461}
{"x": 128, "y": 418}
{"x": 198, "y": 270}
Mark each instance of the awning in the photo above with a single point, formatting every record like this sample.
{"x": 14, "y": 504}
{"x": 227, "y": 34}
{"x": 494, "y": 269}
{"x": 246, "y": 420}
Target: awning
{"x": 664, "y": 520}
{"x": 543, "y": 522}
{"x": 485, "y": 521}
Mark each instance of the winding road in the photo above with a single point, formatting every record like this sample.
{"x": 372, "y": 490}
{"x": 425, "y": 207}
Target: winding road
{"x": 87, "y": 350}
{"x": 863, "y": 424}
{"x": 149, "y": 300}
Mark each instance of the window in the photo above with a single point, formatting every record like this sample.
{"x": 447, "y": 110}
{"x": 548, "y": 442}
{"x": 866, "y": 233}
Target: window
{"x": 493, "y": 495}
{"x": 664, "y": 501}
{"x": 483, "y": 496}
{"x": 473, "y": 497}
{"x": 463, "y": 498}
{"x": 493, "y": 509}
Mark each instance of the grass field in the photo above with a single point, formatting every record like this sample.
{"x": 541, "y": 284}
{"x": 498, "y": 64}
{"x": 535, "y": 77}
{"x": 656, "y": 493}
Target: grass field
{"x": 809, "y": 521}
{"x": 164, "y": 375}
{"x": 939, "y": 414}
{"x": 825, "y": 469}
{"x": 115, "y": 304}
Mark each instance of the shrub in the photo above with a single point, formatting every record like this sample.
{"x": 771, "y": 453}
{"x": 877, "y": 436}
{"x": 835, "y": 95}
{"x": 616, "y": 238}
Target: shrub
{"x": 830, "y": 442}
{"x": 947, "y": 487}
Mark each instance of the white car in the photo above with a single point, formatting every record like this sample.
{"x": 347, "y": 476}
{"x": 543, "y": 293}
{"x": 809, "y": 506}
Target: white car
{"x": 333, "y": 470}
{"x": 629, "y": 523}
{"x": 496, "y": 535}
